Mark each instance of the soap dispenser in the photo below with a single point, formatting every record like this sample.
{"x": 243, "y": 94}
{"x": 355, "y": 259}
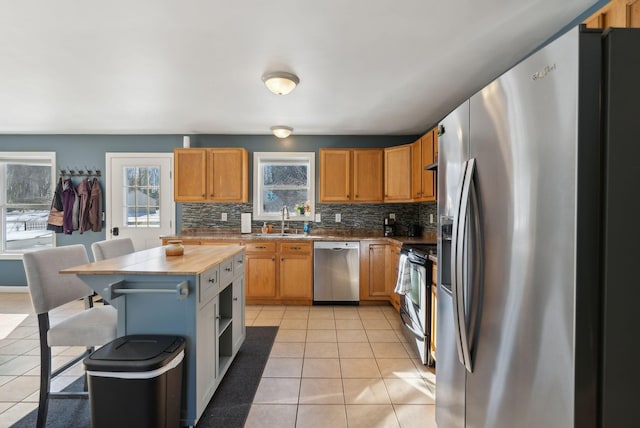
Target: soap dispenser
{"x": 265, "y": 229}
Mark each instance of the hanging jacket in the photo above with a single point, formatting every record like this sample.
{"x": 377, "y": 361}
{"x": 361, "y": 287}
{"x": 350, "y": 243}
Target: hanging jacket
{"x": 56, "y": 203}
{"x": 69, "y": 198}
{"x": 95, "y": 206}
{"x": 84, "y": 191}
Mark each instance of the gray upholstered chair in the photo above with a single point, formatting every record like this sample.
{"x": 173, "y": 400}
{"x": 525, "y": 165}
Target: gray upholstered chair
{"x": 49, "y": 290}
{"x": 111, "y": 248}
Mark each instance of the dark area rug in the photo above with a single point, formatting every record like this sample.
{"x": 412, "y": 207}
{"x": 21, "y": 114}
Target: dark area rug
{"x": 228, "y": 408}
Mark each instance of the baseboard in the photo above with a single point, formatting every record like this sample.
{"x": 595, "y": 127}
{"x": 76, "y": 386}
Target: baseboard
{"x": 14, "y": 289}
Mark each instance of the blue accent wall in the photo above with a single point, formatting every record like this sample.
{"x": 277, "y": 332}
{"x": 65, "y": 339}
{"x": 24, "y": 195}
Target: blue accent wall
{"x": 88, "y": 152}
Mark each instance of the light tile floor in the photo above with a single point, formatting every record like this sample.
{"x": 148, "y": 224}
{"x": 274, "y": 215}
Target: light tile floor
{"x": 337, "y": 366}
{"x": 340, "y": 366}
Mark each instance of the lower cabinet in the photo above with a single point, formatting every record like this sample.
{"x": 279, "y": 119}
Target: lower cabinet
{"x": 279, "y": 272}
{"x": 260, "y": 270}
{"x": 373, "y": 270}
{"x": 392, "y": 265}
{"x": 220, "y": 325}
{"x": 207, "y": 353}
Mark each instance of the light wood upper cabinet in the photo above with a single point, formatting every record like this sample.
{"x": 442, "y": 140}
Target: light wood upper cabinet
{"x": 335, "y": 175}
{"x": 211, "y": 175}
{"x": 617, "y": 13}
{"x": 367, "y": 175}
{"x": 423, "y": 181}
{"x": 351, "y": 175}
{"x": 190, "y": 181}
{"x": 397, "y": 173}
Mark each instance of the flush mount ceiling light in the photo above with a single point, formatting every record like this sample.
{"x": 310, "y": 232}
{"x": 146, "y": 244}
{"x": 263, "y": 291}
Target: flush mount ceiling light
{"x": 280, "y": 82}
{"x": 281, "y": 131}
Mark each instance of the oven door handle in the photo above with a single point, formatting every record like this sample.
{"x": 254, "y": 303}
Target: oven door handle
{"x": 419, "y": 335}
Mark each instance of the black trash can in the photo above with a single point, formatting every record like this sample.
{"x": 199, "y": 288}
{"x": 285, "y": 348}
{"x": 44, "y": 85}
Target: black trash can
{"x": 136, "y": 381}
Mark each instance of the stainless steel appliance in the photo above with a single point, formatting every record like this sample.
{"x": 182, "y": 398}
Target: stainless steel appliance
{"x": 414, "y": 229}
{"x": 415, "y": 300}
{"x": 537, "y": 285}
{"x": 336, "y": 272}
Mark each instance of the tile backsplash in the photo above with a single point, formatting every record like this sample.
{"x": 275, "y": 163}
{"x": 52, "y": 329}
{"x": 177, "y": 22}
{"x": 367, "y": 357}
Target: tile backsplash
{"x": 354, "y": 216}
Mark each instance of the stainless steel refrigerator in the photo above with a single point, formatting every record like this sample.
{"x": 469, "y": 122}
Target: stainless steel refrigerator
{"x": 538, "y": 292}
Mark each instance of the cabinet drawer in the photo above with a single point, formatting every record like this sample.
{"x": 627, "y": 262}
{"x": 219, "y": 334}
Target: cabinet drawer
{"x": 226, "y": 272}
{"x": 261, "y": 247}
{"x": 295, "y": 248}
{"x": 209, "y": 284}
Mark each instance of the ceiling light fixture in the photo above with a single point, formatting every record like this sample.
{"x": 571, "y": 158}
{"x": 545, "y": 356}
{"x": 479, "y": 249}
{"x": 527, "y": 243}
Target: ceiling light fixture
{"x": 281, "y": 131}
{"x": 280, "y": 82}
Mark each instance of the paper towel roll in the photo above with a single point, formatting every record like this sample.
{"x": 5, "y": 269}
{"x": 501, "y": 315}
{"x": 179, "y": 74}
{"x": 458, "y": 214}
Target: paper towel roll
{"x": 245, "y": 222}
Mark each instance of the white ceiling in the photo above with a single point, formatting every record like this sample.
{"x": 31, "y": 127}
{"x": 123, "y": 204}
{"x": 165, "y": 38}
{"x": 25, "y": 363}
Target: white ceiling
{"x": 366, "y": 67}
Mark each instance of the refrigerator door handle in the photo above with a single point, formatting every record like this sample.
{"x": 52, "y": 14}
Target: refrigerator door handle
{"x": 467, "y": 193}
{"x": 457, "y": 237}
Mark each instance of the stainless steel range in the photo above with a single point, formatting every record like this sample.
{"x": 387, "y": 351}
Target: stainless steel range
{"x": 414, "y": 287}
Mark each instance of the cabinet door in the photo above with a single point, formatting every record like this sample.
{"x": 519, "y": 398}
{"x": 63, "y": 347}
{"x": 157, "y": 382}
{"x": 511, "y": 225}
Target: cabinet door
{"x": 335, "y": 175}
{"x": 373, "y": 270}
{"x": 427, "y": 158}
{"x": 296, "y": 271}
{"x": 393, "y": 259}
{"x": 434, "y": 312}
{"x": 416, "y": 170}
{"x": 260, "y": 274}
{"x": 190, "y": 167}
{"x": 207, "y": 353}
{"x": 237, "y": 326}
{"x": 367, "y": 175}
{"x": 397, "y": 173}
{"x": 228, "y": 175}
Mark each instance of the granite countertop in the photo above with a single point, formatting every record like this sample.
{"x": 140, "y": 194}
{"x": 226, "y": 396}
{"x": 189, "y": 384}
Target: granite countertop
{"x": 330, "y": 235}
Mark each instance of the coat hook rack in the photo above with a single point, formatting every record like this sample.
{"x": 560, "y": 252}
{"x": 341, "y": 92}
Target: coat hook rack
{"x": 79, "y": 172}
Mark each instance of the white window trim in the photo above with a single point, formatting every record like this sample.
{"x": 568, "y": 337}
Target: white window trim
{"x": 27, "y": 155}
{"x": 258, "y": 159}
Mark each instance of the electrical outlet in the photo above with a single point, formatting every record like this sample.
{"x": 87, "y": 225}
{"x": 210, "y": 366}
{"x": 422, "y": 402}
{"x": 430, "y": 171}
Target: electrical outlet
{"x": 338, "y": 218}
{"x": 431, "y": 218}
{"x": 318, "y": 219}
{"x": 392, "y": 216}
{"x": 223, "y": 217}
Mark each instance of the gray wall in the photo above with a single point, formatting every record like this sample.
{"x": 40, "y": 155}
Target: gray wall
{"x": 88, "y": 151}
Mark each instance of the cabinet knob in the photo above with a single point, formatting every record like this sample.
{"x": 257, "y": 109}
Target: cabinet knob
{"x": 235, "y": 299}
{"x": 347, "y": 196}
{"x": 357, "y": 196}
{"x": 239, "y": 262}
{"x": 282, "y": 259}
{"x": 228, "y": 269}
{"x": 212, "y": 280}
{"x": 273, "y": 259}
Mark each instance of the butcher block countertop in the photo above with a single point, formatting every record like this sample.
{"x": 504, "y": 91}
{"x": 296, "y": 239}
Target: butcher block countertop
{"x": 196, "y": 259}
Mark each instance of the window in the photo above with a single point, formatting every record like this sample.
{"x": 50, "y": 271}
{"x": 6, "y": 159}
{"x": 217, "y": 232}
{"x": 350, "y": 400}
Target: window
{"x": 143, "y": 196}
{"x": 283, "y": 178}
{"x": 27, "y": 181}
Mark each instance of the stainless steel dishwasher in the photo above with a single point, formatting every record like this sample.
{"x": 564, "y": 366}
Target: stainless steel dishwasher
{"x": 336, "y": 272}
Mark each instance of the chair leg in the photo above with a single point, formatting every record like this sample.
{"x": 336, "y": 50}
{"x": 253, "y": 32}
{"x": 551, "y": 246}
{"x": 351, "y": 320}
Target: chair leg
{"x": 45, "y": 370}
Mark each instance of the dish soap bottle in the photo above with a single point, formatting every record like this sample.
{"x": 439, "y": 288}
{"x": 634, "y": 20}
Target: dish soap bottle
{"x": 265, "y": 229}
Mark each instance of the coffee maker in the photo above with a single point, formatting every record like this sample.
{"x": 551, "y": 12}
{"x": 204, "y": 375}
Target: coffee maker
{"x": 389, "y": 227}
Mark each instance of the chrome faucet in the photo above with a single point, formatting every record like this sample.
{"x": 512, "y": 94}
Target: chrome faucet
{"x": 285, "y": 215}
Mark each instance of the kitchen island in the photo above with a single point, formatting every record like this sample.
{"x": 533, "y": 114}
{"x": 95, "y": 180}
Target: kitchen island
{"x": 199, "y": 295}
